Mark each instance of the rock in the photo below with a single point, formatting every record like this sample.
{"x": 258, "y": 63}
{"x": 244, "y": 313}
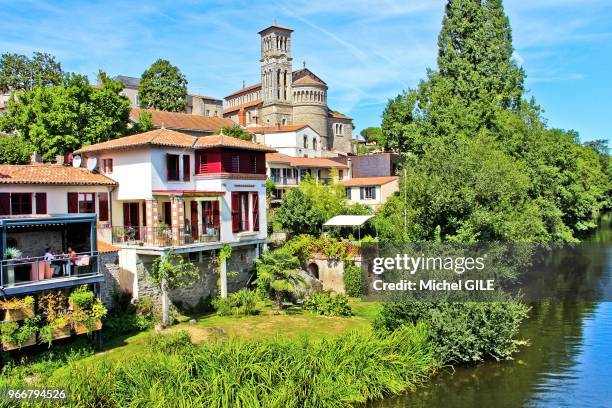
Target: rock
{"x": 192, "y": 321}
{"x": 311, "y": 284}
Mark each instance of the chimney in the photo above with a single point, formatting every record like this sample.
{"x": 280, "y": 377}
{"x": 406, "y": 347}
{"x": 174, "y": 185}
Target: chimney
{"x": 35, "y": 158}
{"x": 59, "y": 159}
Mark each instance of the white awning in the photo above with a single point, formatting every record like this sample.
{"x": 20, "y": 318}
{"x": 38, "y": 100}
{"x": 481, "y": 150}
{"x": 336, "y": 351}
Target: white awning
{"x": 347, "y": 220}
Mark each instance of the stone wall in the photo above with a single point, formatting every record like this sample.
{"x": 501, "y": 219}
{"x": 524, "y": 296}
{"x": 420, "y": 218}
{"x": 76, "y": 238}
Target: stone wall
{"x": 34, "y": 244}
{"x": 109, "y": 267}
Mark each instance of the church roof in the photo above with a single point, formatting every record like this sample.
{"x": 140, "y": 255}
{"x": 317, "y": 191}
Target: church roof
{"x": 275, "y": 129}
{"x": 243, "y": 105}
{"x": 338, "y": 115}
{"x": 308, "y": 80}
{"x": 275, "y": 26}
{"x": 245, "y": 89}
{"x": 297, "y": 75}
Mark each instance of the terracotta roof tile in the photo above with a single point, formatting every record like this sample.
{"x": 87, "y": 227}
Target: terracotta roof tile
{"x": 244, "y": 105}
{"x": 244, "y": 90}
{"x": 369, "y": 181}
{"x": 51, "y": 174}
{"x": 205, "y": 142}
{"x": 105, "y": 247}
{"x": 158, "y": 137}
{"x": 184, "y": 121}
{"x": 304, "y": 161}
{"x": 338, "y": 115}
{"x": 308, "y": 80}
{"x": 275, "y": 129}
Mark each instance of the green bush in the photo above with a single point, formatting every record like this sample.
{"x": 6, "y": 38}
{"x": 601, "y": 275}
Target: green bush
{"x": 352, "y": 280}
{"x": 328, "y": 304}
{"x": 332, "y": 372}
{"x": 126, "y": 317}
{"x": 82, "y": 297}
{"x": 241, "y": 303}
{"x": 170, "y": 343}
{"x": 461, "y": 332}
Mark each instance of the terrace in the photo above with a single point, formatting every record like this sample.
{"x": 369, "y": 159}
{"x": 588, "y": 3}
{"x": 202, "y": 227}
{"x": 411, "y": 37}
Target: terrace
{"x": 24, "y": 241}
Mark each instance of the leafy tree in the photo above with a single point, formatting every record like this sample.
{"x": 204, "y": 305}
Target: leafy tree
{"x": 170, "y": 271}
{"x": 20, "y": 73}
{"x": 163, "y": 87}
{"x": 62, "y": 118}
{"x": 145, "y": 122}
{"x": 15, "y": 150}
{"x": 372, "y": 134}
{"x": 276, "y": 272}
{"x": 236, "y": 131}
{"x": 297, "y": 214}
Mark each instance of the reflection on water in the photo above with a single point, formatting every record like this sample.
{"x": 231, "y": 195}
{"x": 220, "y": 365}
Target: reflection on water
{"x": 568, "y": 364}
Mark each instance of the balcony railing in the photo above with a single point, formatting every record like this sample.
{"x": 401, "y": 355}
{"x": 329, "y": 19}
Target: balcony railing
{"x": 284, "y": 181}
{"x": 164, "y": 236}
{"x": 30, "y": 270}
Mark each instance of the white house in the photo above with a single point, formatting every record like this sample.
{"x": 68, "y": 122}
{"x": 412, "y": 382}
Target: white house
{"x": 290, "y": 140}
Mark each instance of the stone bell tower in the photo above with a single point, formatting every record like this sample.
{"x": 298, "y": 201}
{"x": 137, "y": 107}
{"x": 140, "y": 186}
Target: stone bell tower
{"x": 276, "y": 71}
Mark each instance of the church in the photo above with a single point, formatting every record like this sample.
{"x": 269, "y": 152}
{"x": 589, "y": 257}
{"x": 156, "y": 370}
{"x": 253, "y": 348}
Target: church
{"x": 286, "y": 98}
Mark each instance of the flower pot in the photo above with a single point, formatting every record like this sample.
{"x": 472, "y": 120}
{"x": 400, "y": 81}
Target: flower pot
{"x": 81, "y": 328}
{"x": 14, "y": 315}
{"x": 62, "y": 332}
{"x": 9, "y": 346}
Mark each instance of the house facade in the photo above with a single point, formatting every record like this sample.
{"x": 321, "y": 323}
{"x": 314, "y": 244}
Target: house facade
{"x": 185, "y": 193}
{"x": 290, "y": 140}
{"x": 371, "y": 191}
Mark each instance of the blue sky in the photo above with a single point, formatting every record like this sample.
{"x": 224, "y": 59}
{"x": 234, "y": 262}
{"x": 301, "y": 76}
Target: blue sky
{"x": 367, "y": 51}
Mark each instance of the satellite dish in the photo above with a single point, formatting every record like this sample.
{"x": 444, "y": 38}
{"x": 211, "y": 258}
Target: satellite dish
{"x": 92, "y": 163}
{"x": 76, "y": 161}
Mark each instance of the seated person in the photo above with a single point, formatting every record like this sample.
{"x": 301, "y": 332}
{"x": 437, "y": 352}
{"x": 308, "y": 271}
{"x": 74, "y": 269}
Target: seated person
{"x": 49, "y": 257}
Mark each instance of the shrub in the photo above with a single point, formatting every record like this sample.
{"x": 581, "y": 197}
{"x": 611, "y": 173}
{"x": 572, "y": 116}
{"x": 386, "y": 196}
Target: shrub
{"x": 327, "y": 304}
{"x": 241, "y": 303}
{"x": 461, "y": 332}
{"x": 16, "y": 303}
{"x": 352, "y": 279}
{"x": 170, "y": 343}
{"x": 82, "y": 297}
{"x": 18, "y": 335}
{"x": 126, "y": 317}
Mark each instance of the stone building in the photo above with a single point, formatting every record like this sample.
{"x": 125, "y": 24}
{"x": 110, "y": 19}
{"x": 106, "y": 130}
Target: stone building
{"x": 288, "y": 97}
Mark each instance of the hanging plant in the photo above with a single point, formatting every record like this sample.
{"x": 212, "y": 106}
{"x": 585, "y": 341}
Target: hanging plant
{"x": 52, "y": 304}
{"x": 14, "y": 336}
{"x": 81, "y": 298}
{"x": 18, "y": 309}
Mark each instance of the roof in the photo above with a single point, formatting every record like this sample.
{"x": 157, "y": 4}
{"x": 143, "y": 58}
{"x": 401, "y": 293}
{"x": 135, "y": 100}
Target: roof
{"x": 301, "y": 73}
{"x": 275, "y": 26}
{"x": 369, "y": 181}
{"x": 275, "y": 129}
{"x": 243, "y": 105}
{"x": 171, "y": 138}
{"x": 128, "y": 81}
{"x": 45, "y": 219}
{"x": 51, "y": 174}
{"x": 244, "y": 90}
{"x": 157, "y": 137}
{"x": 338, "y": 115}
{"x": 347, "y": 220}
{"x": 207, "y": 97}
{"x": 205, "y": 142}
{"x": 184, "y": 121}
{"x": 308, "y": 80}
{"x": 304, "y": 161}
{"x": 105, "y": 247}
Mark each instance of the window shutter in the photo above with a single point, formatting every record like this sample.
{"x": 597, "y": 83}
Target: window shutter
{"x": 373, "y": 193}
{"x": 186, "y": 167}
{"x": 41, "y": 203}
{"x": 5, "y": 203}
{"x": 235, "y": 212}
{"x": 361, "y": 193}
{"x": 215, "y": 211}
{"x": 73, "y": 203}
{"x": 103, "y": 205}
{"x": 255, "y": 196}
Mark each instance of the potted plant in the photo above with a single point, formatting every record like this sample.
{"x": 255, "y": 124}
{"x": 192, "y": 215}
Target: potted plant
{"x": 52, "y": 304}
{"x": 12, "y": 253}
{"x": 58, "y": 328}
{"x": 17, "y": 309}
{"x": 81, "y": 298}
{"x": 86, "y": 321}
{"x": 14, "y": 336}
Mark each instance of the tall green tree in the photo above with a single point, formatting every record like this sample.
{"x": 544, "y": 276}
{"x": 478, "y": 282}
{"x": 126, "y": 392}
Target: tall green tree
{"x": 62, "y": 118}
{"x": 163, "y": 87}
{"x": 15, "y": 150}
{"x": 236, "y": 131}
{"x": 20, "y": 73}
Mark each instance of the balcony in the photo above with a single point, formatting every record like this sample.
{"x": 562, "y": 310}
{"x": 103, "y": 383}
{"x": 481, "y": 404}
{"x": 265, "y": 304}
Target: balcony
{"x": 165, "y": 236}
{"x": 284, "y": 181}
{"x": 30, "y": 274}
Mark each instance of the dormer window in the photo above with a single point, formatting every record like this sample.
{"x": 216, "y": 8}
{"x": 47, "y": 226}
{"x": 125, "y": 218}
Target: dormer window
{"x": 172, "y": 167}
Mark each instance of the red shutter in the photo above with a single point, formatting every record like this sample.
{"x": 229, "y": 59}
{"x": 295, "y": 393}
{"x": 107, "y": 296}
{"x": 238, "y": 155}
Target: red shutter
{"x": 73, "y": 203}
{"x": 5, "y": 203}
{"x": 103, "y": 205}
{"x": 255, "y": 196}
{"x": 41, "y": 203}
{"x": 235, "y": 212}
{"x": 215, "y": 211}
{"x": 186, "y": 167}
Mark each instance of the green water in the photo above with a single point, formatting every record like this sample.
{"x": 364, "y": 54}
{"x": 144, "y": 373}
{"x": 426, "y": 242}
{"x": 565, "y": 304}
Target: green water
{"x": 568, "y": 364}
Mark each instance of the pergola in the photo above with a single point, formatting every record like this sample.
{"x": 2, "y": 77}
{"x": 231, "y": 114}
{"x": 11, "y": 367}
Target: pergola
{"x": 348, "y": 221}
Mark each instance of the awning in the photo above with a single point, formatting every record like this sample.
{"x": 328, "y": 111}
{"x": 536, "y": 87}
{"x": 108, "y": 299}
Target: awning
{"x": 348, "y": 220}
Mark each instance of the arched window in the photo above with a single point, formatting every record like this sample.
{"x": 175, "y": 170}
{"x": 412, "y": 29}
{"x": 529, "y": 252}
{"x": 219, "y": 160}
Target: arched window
{"x": 305, "y": 142}
{"x": 314, "y": 144}
{"x": 284, "y": 121}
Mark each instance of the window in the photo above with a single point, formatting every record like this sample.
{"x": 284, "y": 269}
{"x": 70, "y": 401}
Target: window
{"x": 172, "y": 167}
{"x": 41, "y": 203}
{"x": 347, "y": 192}
{"x": 340, "y": 174}
{"x": 314, "y": 144}
{"x": 236, "y": 164}
{"x": 203, "y": 164}
{"x": 186, "y": 167}
{"x": 240, "y": 211}
{"x": 367, "y": 193}
{"x": 167, "y": 213}
{"x": 255, "y": 203}
{"x": 107, "y": 166}
{"x": 103, "y": 206}
{"x": 21, "y": 203}
{"x": 254, "y": 164}
{"x": 305, "y": 142}
{"x": 81, "y": 203}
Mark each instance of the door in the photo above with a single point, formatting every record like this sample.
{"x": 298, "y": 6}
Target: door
{"x": 194, "y": 219}
{"x": 131, "y": 221}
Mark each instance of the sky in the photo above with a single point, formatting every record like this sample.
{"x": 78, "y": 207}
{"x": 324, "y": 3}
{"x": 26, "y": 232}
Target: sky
{"x": 366, "y": 51}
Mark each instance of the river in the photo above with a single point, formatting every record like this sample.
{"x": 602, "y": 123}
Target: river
{"x": 567, "y": 364}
